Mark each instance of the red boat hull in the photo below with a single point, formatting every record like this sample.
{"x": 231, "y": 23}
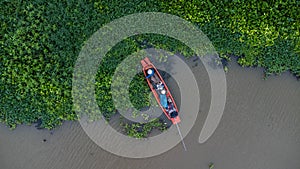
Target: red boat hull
{"x": 146, "y": 64}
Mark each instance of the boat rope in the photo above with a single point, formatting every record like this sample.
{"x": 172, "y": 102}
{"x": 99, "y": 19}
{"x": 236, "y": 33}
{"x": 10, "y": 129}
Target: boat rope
{"x": 181, "y": 137}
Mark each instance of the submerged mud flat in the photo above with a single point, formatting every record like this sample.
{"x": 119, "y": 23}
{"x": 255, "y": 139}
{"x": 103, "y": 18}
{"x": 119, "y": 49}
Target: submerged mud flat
{"x": 260, "y": 128}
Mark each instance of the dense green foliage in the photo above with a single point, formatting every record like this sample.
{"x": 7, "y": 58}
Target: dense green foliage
{"x": 138, "y": 130}
{"x": 40, "y": 41}
{"x": 138, "y": 92}
{"x": 264, "y": 34}
{"x": 39, "y": 44}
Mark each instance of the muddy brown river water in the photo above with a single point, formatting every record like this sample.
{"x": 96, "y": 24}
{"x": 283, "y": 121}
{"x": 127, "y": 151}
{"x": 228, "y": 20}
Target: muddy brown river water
{"x": 260, "y": 129}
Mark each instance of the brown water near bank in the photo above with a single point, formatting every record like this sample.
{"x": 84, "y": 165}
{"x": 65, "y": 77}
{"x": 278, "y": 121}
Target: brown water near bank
{"x": 260, "y": 128}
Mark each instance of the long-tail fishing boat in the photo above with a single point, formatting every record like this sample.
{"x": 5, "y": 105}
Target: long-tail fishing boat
{"x": 160, "y": 91}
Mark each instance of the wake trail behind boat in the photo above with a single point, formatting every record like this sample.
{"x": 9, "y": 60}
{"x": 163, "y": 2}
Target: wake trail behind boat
{"x": 181, "y": 137}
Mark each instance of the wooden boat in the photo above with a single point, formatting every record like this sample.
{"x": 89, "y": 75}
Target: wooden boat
{"x": 157, "y": 85}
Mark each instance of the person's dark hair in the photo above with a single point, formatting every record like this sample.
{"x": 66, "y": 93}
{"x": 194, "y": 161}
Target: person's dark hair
{"x": 174, "y": 114}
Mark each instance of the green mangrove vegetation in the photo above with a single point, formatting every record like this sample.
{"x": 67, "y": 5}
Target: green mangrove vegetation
{"x": 40, "y": 41}
{"x": 138, "y": 130}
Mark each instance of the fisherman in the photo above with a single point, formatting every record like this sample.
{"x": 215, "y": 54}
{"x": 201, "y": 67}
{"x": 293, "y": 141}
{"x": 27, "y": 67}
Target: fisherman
{"x": 171, "y": 109}
{"x": 163, "y": 99}
{"x": 153, "y": 76}
{"x": 150, "y": 73}
{"x": 173, "y": 113}
{"x": 170, "y": 104}
{"x": 163, "y": 92}
{"x": 160, "y": 86}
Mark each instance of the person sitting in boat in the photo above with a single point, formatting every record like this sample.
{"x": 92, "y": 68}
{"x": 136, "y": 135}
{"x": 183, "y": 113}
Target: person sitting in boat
{"x": 150, "y": 73}
{"x": 153, "y": 77}
{"x": 172, "y": 112}
{"x": 171, "y": 109}
{"x": 159, "y": 86}
{"x": 163, "y": 99}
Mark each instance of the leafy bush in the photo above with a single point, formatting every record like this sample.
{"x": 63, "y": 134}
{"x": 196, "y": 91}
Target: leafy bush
{"x": 139, "y": 131}
{"x": 261, "y": 33}
{"x": 39, "y": 44}
{"x": 139, "y": 92}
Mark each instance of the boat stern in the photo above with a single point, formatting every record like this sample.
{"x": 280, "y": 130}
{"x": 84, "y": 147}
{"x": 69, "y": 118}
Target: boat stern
{"x": 175, "y": 120}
